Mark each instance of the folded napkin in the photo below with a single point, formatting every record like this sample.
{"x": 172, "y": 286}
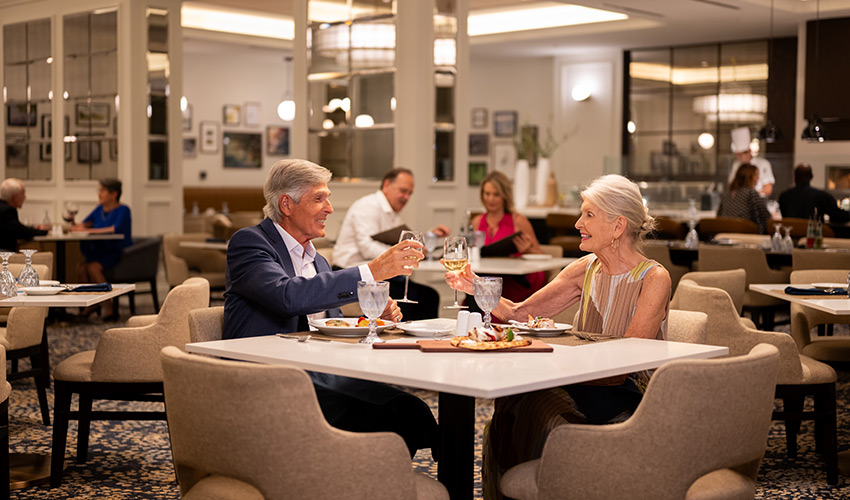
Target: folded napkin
{"x": 790, "y": 290}
{"x": 97, "y": 287}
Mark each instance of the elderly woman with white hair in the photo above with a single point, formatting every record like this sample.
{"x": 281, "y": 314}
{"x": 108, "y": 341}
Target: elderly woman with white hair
{"x": 620, "y": 293}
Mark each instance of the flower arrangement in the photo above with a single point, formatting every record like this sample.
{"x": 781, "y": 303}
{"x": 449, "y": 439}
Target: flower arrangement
{"x": 547, "y": 146}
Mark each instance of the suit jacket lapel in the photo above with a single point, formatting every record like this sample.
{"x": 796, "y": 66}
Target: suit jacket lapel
{"x": 277, "y": 243}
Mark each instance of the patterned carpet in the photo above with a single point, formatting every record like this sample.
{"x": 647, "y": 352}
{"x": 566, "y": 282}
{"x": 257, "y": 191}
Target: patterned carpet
{"x": 132, "y": 460}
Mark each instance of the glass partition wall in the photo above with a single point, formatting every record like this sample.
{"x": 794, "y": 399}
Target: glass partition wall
{"x": 159, "y": 70}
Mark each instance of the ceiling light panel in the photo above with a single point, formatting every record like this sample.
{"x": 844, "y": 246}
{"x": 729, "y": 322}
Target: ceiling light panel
{"x": 534, "y": 16}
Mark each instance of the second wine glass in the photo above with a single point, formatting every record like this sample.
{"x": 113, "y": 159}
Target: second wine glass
{"x": 455, "y": 257}
{"x": 487, "y": 291}
{"x": 415, "y": 236}
{"x": 373, "y": 297}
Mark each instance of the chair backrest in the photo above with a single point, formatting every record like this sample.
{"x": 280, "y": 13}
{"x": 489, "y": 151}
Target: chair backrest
{"x": 757, "y": 240}
{"x": 178, "y": 260}
{"x": 556, "y": 251}
{"x": 262, "y": 424}
{"x": 669, "y": 229}
{"x": 800, "y": 226}
{"x": 820, "y": 259}
{"x": 25, "y": 326}
{"x": 660, "y": 252}
{"x": 42, "y": 270}
{"x": 733, "y": 282}
{"x": 803, "y": 319}
{"x": 753, "y": 260}
{"x": 708, "y": 227}
{"x": 206, "y": 324}
{"x": 5, "y": 387}
{"x": 725, "y": 328}
{"x": 43, "y": 258}
{"x": 686, "y": 326}
{"x": 697, "y": 416}
{"x": 138, "y": 262}
{"x": 562, "y": 224}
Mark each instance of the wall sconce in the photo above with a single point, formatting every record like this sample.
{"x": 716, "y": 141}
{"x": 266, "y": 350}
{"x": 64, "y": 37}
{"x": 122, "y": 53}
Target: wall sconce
{"x": 705, "y": 140}
{"x": 581, "y": 92}
{"x": 286, "y": 108}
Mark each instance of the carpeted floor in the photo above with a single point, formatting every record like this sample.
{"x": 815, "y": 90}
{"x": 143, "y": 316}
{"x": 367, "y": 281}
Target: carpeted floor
{"x": 132, "y": 460}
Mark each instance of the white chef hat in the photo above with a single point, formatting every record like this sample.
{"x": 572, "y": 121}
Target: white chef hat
{"x": 740, "y": 140}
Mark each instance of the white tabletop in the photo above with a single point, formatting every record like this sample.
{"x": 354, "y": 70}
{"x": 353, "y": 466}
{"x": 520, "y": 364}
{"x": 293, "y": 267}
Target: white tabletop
{"x": 504, "y": 265}
{"x": 80, "y": 236}
{"x": 473, "y": 374}
{"x": 831, "y": 305}
{"x": 66, "y": 300}
{"x": 206, "y": 245}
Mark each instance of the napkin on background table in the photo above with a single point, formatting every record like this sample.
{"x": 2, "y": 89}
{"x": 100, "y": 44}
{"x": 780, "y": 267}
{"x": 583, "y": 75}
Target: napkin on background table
{"x": 791, "y": 290}
{"x": 97, "y": 287}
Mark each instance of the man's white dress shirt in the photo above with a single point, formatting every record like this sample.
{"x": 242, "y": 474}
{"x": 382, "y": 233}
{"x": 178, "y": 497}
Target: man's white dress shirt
{"x": 367, "y": 216}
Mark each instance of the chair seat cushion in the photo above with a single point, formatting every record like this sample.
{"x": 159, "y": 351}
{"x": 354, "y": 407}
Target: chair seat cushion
{"x": 76, "y": 368}
{"x": 725, "y": 484}
{"x": 829, "y": 349}
{"x": 222, "y": 488}
{"x": 815, "y": 372}
{"x": 520, "y": 481}
{"x": 429, "y": 489}
{"x": 3, "y": 340}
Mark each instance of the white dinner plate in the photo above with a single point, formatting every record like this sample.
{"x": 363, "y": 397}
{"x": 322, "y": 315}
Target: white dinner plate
{"x": 42, "y": 290}
{"x": 48, "y": 283}
{"x": 429, "y": 327}
{"x": 829, "y": 286}
{"x": 543, "y": 332}
{"x": 536, "y": 256}
{"x": 346, "y": 331}
{"x": 725, "y": 241}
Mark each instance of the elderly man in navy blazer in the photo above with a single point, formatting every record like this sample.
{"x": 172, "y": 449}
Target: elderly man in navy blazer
{"x": 275, "y": 280}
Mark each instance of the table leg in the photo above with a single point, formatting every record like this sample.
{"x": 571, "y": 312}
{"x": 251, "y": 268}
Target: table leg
{"x": 456, "y": 466}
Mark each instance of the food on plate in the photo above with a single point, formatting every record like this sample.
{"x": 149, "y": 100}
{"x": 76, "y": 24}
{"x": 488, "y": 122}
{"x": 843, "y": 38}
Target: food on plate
{"x": 487, "y": 339}
{"x": 541, "y": 323}
{"x": 364, "y": 321}
{"x": 494, "y": 333}
{"x": 336, "y": 322}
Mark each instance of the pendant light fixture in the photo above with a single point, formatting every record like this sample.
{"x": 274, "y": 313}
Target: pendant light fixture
{"x": 814, "y": 131}
{"x": 770, "y": 133}
{"x": 286, "y": 108}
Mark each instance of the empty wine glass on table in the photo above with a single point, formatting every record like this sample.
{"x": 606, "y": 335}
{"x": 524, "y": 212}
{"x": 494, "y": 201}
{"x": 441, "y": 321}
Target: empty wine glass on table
{"x": 28, "y": 275}
{"x": 8, "y": 285}
{"x": 692, "y": 239}
{"x": 373, "y": 297}
{"x": 487, "y": 291}
{"x": 415, "y": 236}
{"x": 787, "y": 242}
{"x": 455, "y": 257}
{"x": 776, "y": 244}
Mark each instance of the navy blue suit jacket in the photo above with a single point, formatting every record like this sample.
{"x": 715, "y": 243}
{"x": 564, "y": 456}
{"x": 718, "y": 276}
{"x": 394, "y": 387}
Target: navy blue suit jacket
{"x": 263, "y": 294}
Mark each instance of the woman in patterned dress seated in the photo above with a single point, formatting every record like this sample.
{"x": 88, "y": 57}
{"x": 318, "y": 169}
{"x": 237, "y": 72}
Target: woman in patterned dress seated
{"x": 620, "y": 293}
{"x": 743, "y": 201}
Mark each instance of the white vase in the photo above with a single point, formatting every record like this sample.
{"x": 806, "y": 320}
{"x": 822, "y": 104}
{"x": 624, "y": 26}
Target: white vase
{"x": 521, "y": 184}
{"x": 542, "y": 179}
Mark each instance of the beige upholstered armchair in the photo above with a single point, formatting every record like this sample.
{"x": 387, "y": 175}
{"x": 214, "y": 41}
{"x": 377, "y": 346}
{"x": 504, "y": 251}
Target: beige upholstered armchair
{"x": 125, "y": 366}
{"x": 733, "y": 282}
{"x": 686, "y": 326}
{"x": 820, "y": 259}
{"x": 799, "y": 375}
{"x": 23, "y": 337}
{"x": 43, "y": 273}
{"x": 659, "y": 251}
{"x": 5, "y": 392}
{"x": 803, "y": 319}
{"x": 250, "y": 431}
{"x": 206, "y": 324}
{"x": 699, "y": 432}
{"x": 182, "y": 263}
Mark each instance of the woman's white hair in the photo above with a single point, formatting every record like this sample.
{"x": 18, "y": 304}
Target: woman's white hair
{"x": 293, "y": 178}
{"x": 617, "y": 196}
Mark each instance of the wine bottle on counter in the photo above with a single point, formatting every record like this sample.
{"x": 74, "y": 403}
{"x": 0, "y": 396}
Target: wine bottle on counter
{"x": 810, "y": 233}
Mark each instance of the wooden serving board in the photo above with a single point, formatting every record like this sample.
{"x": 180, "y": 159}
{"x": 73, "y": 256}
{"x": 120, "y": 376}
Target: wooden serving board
{"x": 446, "y": 346}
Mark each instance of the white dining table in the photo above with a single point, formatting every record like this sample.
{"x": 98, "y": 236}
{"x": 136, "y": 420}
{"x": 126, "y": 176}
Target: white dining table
{"x": 205, "y": 245}
{"x": 460, "y": 377}
{"x": 504, "y": 265}
{"x": 828, "y": 304}
{"x": 67, "y": 299}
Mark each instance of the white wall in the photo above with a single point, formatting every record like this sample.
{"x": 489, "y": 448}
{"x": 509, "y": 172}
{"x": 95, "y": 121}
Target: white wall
{"x": 216, "y": 74}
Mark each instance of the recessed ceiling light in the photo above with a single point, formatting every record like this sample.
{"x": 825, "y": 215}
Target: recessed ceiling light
{"x": 199, "y": 16}
{"x": 533, "y": 16}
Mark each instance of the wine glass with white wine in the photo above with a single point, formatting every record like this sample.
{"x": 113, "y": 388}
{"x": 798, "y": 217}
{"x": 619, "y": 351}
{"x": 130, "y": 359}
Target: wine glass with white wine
{"x": 455, "y": 257}
{"x": 415, "y": 236}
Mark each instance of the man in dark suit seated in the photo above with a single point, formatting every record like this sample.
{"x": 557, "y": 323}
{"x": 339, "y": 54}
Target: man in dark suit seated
{"x": 275, "y": 280}
{"x": 801, "y": 200}
{"x": 13, "y": 193}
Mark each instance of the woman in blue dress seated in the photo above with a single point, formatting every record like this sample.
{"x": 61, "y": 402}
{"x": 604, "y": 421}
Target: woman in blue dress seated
{"x": 110, "y": 216}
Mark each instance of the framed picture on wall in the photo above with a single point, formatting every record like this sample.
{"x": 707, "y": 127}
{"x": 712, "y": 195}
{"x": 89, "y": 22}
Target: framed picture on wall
{"x": 504, "y": 123}
{"x": 479, "y": 118}
{"x": 504, "y": 157}
{"x": 190, "y": 147}
{"x": 232, "y": 114}
{"x": 187, "y": 117}
{"x": 242, "y": 150}
{"x": 89, "y": 151}
{"x": 17, "y": 150}
{"x": 277, "y": 141}
{"x": 209, "y": 137}
{"x": 20, "y": 114}
{"x": 252, "y": 114}
{"x": 479, "y": 144}
{"x": 96, "y": 115}
{"x": 477, "y": 172}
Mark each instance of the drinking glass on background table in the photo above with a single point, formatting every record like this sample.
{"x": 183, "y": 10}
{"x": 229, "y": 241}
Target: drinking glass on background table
{"x": 8, "y": 285}
{"x": 430, "y": 240}
{"x": 415, "y": 236}
{"x": 28, "y": 275}
{"x": 487, "y": 291}
{"x": 455, "y": 257}
{"x": 787, "y": 242}
{"x": 70, "y": 214}
{"x": 373, "y": 297}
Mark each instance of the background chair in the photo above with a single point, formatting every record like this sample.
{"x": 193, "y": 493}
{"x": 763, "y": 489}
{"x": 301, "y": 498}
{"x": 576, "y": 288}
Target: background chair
{"x": 660, "y": 252}
{"x": 686, "y": 326}
{"x": 799, "y": 375}
{"x": 245, "y": 430}
{"x": 5, "y": 392}
{"x": 669, "y": 229}
{"x": 138, "y": 262}
{"x": 556, "y": 251}
{"x": 834, "y": 350}
{"x": 23, "y": 337}
{"x": 206, "y": 324}
{"x": 699, "y": 432}
{"x": 820, "y": 259}
{"x": 15, "y": 269}
{"x": 125, "y": 366}
{"x": 708, "y": 227}
{"x": 756, "y": 240}
{"x": 563, "y": 232}
{"x": 733, "y": 282}
{"x": 182, "y": 263}
{"x": 800, "y": 226}
{"x": 753, "y": 260}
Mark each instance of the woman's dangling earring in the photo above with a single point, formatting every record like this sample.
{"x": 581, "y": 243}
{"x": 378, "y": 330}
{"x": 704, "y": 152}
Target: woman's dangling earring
{"x": 615, "y": 243}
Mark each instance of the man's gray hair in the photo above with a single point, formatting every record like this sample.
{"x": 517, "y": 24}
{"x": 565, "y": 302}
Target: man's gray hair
{"x": 10, "y": 187}
{"x": 293, "y": 178}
